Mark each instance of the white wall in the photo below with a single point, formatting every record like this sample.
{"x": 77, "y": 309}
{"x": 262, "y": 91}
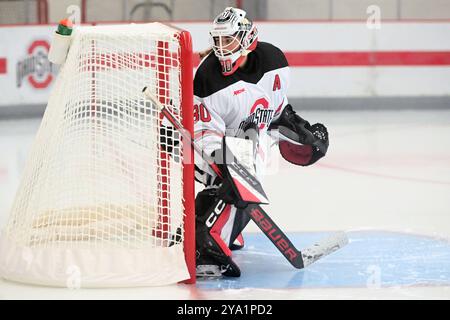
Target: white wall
{"x": 17, "y": 11}
{"x": 356, "y": 9}
{"x": 294, "y": 38}
{"x": 113, "y": 10}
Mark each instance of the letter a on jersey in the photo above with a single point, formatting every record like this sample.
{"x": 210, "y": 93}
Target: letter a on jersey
{"x": 277, "y": 83}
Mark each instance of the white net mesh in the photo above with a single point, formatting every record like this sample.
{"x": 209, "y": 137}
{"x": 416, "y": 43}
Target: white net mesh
{"x": 98, "y": 179}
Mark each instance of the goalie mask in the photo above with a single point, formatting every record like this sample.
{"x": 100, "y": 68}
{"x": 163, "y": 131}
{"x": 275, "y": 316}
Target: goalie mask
{"x": 232, "y": 38}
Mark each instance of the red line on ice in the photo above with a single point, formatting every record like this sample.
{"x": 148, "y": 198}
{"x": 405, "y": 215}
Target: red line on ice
{"x": 380, "y": 175}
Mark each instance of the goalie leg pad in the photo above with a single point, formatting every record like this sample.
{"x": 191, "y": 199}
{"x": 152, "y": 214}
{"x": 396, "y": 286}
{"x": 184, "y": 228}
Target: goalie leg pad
{"x": 213, "y": 254}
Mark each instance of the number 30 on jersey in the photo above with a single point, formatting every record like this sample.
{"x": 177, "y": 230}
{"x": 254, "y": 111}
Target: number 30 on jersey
{"x": 201, "y": 113}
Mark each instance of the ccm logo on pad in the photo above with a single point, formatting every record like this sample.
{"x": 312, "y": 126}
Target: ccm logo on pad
{"x": 215, "y": 214}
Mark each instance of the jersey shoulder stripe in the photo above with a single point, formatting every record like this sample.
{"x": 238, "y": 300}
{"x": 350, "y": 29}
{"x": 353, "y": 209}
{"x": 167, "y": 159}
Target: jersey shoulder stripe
{"x": 209, "y": 78}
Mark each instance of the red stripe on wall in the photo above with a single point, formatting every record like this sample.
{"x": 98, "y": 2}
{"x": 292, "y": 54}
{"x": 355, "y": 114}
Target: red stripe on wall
{"x": 383, "y": 58}
{"x": 355, "y": 59}
{"x": 2, "y": 65}
{"x": 364, "y": 58}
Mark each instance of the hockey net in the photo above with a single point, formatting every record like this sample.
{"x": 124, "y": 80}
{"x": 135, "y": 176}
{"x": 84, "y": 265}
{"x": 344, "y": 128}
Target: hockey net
{"x": 107, "y": 191}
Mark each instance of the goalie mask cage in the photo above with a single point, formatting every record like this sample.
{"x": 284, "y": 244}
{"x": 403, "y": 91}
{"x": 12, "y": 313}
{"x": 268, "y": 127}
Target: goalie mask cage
{"x": 107, "y": 194}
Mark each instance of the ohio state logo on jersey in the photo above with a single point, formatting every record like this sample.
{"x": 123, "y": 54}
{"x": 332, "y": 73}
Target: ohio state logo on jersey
{"x": 260, "y": 114}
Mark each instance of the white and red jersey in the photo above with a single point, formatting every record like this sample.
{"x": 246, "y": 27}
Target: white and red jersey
{"x": 255, "y": 93}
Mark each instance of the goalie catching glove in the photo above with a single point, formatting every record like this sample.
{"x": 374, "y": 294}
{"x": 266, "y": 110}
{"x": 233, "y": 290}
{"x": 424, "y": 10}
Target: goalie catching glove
{"x": 300, "y": 143}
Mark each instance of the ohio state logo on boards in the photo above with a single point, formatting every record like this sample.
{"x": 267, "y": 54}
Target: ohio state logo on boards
{"x": 35, "y": 67}
{"x": 259, "y": 114}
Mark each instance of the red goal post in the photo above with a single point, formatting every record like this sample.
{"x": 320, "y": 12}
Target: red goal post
{"x": 187, "y": 102}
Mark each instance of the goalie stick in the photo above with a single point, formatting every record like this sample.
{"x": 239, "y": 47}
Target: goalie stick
{"x": 298, "y": 259}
